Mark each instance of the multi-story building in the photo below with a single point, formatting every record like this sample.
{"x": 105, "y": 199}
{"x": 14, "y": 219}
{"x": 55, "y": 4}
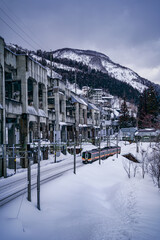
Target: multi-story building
{"x": 73, "y": 114}
{"x": 35, "y": 106}
{"x": 108, "y": 114}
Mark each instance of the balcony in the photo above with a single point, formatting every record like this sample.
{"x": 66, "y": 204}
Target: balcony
{"x": 89, "y": 121}
{"x": 51, "y": 115}
{"x": 115, "y": 123}
{"x": 70, "y": 119}
{"x": 13, "y": 107}
{"x": 108, "y": 122}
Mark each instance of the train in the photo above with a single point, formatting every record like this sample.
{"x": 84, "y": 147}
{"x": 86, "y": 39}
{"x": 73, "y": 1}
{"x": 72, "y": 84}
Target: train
{"x": 93, "y": 155}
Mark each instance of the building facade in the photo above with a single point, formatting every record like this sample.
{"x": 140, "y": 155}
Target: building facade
{"x": 36, "y": 106}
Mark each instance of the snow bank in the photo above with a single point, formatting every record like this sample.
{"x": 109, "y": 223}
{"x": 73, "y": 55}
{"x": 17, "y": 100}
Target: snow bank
{"x": 98, "y": 203}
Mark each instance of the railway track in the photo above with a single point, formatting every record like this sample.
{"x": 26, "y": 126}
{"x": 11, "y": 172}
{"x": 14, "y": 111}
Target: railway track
{"x": 11, "y": 190}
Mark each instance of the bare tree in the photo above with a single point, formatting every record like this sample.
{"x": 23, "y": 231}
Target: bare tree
{"x": 135, "y": 167}
{"x": 154, "y": 165}
{"x": 144, "y": 161}
{"x": 127, "y": 164}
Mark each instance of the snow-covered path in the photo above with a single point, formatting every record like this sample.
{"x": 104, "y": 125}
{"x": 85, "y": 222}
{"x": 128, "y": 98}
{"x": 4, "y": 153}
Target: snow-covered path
{"x": 99, "y": 203}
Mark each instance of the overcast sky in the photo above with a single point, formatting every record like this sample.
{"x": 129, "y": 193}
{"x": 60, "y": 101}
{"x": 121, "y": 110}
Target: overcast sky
{"x": 128, "y": 31}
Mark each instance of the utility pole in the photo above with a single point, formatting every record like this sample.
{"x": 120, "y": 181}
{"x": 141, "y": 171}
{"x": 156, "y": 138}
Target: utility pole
{"x": 14, "y": 158}
{"x": 29, "y": 172}
{"x": 80, "y": 144}
{"x": 74, "y": 150}
{"x": 117, "y": 145}
{"x": 4, "y": 169}
{"x": 51, "y": 62}
{"x": 55, "y": 153}
{"x": 75, "y": 81}
{"x": 137, "y": 145}
{"x": 107, "y": 137}
{"x": 74, "y": 157}
{"x": 38, "y": 177}
{"x": 99, "y": 149}
{"x": 29, "y": 179}
{"x": 55, "y": 149}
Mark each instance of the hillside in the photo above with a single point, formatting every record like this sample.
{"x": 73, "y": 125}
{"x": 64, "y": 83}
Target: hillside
{"x": 93, "y": 69}
{"x": 102, "y": 63}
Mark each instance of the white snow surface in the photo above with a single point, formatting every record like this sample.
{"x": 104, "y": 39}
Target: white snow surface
{"x": 74, "y": 88}
{"x": 102, "y": 63}
{"x": 98, "y": 203}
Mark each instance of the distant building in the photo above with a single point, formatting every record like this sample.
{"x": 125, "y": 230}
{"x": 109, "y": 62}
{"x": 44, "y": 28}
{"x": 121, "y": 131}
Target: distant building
{"x": 147, "y": 134}
{"x": 127, "y": 133}
{"x": 97, "y": 95}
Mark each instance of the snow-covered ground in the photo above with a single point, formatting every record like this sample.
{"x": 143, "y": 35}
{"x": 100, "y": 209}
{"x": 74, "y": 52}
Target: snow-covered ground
{"x": 98, "y": 203}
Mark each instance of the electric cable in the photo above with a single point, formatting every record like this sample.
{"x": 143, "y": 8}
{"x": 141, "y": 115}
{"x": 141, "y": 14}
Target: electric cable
{"x": 19, "y": 27}
{"x": 17, "y": 33}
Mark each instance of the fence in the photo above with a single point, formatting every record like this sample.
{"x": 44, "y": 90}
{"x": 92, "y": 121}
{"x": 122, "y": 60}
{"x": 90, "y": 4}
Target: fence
{"x": 16, "y": 156}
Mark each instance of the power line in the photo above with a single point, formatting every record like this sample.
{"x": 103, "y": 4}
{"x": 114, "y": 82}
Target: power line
{"x": 23, "y": 24}
{"x": 17, "y": 33}
{"x": 19, "y": 27}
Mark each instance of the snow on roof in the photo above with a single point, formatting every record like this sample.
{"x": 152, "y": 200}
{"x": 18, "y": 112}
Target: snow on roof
{"x": 147, "y": 132}
{"x": 79, "y": 100}
{"x": 41, "y": 113}
{"x": 74, "y": 88}
{"x": 82, "y": 125}
{"x": 61, "y": 93}
{"x": 54, "y": 74}
{"x": 96, "y": 126}
{"x": 131, "y": 129}
{"x": 116, "y": 113}
{"x": 92, "y": 106}
{"x": 62, "y": 123}
{"x": 98, "y": 89}
{"x": 31, "y": 110}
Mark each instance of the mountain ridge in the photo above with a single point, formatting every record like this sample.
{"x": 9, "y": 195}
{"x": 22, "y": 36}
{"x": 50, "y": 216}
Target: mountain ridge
{"x": 93, "y": 69}
{"x": 102, "y": 62}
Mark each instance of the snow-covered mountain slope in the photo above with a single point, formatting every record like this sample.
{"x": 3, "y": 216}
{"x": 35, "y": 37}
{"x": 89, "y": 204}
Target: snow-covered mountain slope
{"x": 103, "y": 63}
{"x": 90, "y": 59}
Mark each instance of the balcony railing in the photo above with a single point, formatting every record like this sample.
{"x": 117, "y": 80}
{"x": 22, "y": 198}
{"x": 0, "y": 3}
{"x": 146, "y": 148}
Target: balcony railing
{"x": 89, "y": 121}
{"x": 13, "y": 107}
{"x": 70, "y": 119}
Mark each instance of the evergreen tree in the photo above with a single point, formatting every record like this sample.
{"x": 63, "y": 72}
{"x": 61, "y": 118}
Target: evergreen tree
{"x": 124, "y": 118}
{"x": 148, "y": 108}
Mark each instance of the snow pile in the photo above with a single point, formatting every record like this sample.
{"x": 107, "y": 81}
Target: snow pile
{"x": 100, "y": 202}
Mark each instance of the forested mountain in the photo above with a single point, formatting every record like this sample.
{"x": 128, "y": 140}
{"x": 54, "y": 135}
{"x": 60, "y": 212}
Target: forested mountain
{"x": 93, "y": 69}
